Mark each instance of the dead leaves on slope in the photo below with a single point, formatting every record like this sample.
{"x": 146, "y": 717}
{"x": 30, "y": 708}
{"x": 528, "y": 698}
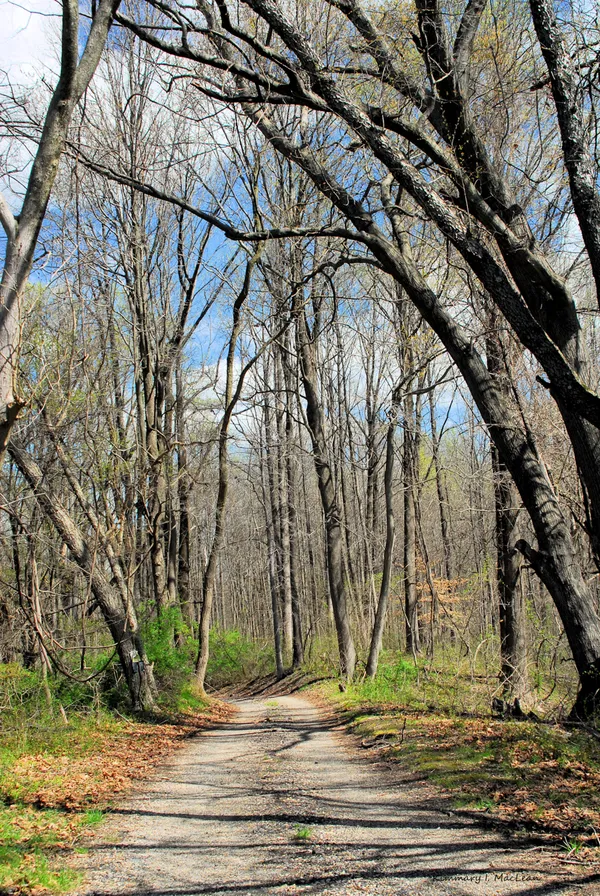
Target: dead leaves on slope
{"x": 118, "y": 759}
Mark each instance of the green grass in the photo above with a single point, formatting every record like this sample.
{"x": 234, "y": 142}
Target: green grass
{"x": 93, "y": 817}
{"x": 34, "y": 842}
{"x": 438, "y": 724}
{"x": 33, "y": 870}
{"x": 302, "y": 833}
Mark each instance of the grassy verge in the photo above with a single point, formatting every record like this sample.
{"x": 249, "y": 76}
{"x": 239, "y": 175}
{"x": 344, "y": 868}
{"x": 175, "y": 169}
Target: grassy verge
{"x": 57, "y": 781}
{"x": 534, "y": 776}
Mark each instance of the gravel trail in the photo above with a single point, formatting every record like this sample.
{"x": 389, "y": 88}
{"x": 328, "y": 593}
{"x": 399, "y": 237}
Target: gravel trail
{"x": 279, "y": 801}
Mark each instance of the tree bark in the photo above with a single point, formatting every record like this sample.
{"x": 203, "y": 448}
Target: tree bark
{"x": 292, "y": 498}
{"x": 512, "y": 621}
{"x": 271, "y": 507}
{"x": 230, "y": 400}
{"x": 410, "y": 456}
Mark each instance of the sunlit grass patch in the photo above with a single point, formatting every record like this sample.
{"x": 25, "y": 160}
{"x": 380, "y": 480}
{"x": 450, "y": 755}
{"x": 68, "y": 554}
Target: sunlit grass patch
{"x": 544, "y": 777}
{"x": 34, "y": 845}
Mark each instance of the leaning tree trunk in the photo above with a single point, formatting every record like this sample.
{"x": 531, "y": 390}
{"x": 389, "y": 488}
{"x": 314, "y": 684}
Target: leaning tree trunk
{"x": 119, "y": 618}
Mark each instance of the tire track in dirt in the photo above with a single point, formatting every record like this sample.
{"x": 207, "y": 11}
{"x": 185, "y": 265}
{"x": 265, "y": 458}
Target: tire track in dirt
{"x": 278, "y": 802}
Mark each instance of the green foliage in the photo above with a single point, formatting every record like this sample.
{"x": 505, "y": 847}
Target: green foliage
{"x": 93, "y": 816}
{"x": 104, "y": 685}
{"x": 171, "y": 647}
{"x": 321, "y": 658}
{"x": 169, "y": 643}
{"x": 234, "y": 658}
{"x": 17, "y": 686}
{"x": 447, "y": 683}
{"x": 396, "y": 672}
{"x": 30, "y": 724}
{"x": 572, "y": 846}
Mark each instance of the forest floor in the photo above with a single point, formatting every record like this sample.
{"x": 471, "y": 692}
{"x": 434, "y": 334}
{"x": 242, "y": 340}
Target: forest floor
{"x": 282, "y": 800}
{"x": 57, "y": 782}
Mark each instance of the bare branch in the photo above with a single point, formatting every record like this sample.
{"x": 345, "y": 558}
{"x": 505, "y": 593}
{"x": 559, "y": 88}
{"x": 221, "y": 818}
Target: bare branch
{"x": 7, "y": 219}
{"x": 233, "y": 233}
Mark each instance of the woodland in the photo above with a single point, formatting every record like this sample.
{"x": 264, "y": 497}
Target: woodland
{"x": 299, "y": 349}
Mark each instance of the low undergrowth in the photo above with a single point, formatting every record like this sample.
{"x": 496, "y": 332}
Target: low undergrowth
{"x": 537, "y": 776}
{"x": 58, "y": 779}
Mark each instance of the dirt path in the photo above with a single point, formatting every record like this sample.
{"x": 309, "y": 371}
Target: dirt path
{"x": 227, "y": 814}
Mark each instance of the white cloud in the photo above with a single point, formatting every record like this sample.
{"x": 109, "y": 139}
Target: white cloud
{"x": 26, "y": 37}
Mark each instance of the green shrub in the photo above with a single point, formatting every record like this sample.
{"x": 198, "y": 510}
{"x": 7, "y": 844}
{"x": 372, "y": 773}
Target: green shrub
{"x": 169, "y": 643}
{"x": 234, "y": 658}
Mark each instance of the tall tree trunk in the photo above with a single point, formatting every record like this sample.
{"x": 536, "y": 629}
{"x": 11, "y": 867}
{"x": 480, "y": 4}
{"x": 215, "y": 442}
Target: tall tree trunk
{"x": 171, "y": 535}
{"x": 183, "y": 491}
{"x": 441, "y": 488}
{"x": 271, "y": 555}
{"x": 327, "y": 491}
{"x": 230, "y": 401}
{"x": 409, "y": 469}
{"x": 513, "y": 635}
{"x": 272, "y": 509}
{"x": 390, "y": 537}
{"x": 512, "y": 621}
{"x": 292, "y": 497}
{"x": 280, "y": 495}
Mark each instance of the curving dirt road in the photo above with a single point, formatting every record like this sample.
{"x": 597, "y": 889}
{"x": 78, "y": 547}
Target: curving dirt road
{"x": 278, "y": 802}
